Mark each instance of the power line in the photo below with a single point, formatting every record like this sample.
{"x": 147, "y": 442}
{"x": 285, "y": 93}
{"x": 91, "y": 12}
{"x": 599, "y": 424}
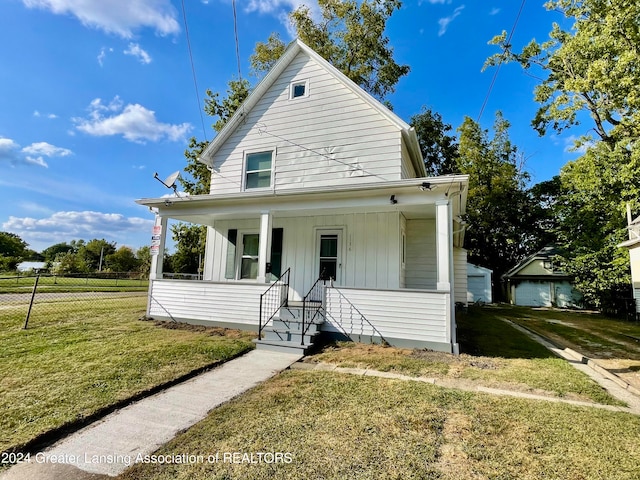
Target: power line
{"x": 495, "y": 74}
{"x": 235, "y": 33}
{"x": 193, "y": 70}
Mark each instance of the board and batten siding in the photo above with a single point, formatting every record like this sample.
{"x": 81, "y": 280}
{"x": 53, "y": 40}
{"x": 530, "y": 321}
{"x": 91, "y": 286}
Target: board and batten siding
{"x": 370, "y": 250}
{"x": 421, "y": 265}
{"x": 203, "y": 301}
{"x": 330, "y": 137}
{"x": 399, "y": 316}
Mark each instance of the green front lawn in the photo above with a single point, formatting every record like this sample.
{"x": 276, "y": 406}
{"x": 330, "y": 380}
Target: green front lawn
{"x": 89, "y": 354}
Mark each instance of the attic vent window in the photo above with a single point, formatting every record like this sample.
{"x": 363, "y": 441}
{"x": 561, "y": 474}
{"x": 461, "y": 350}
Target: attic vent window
{"x": 299, "y": 89}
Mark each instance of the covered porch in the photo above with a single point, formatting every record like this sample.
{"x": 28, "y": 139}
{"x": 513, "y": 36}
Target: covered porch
{"x": 392, "y": 252}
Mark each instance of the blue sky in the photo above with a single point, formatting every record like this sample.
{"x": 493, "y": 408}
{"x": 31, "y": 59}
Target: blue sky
{"x": 97, "y": 96}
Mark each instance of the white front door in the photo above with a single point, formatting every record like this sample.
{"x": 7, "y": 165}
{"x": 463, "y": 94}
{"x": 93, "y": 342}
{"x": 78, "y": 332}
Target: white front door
{"x": 329, "y": 255}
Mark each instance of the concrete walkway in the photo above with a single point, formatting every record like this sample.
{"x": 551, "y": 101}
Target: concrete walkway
{"x": 107, "y": 447}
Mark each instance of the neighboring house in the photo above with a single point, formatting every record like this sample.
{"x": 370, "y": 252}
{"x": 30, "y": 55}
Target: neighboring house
{"x": 35, "y": 267}
{"x": 633, "y": 244}
{"x": 538, "y": 282}
{"x": 478, "y": 284}
{"x": 319, "y": 192}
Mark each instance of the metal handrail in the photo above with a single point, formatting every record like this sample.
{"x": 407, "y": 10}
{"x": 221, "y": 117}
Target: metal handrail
{"x": 312, "y": 296}
{"x": 275, "y": 300}
{"x": 362, "y": 317}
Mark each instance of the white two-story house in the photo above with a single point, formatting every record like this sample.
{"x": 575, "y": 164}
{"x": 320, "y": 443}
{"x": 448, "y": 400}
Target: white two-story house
{"x": 319, "y": 192}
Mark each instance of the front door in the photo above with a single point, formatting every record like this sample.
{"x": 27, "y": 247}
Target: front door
{"x": 329, "y": 261}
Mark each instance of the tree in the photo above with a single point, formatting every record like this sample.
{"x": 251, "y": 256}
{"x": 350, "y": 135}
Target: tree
{"x": 439, "y": 149}
{"x": 143, "y": 254}
{"x": 591, "y": 69}
{"x": 95, "y": 251}
{"x": 50, "y": 253}
{"x": 592, "y": 221}
{"x": 122, "y": 260}
{"x": 350, "y": 35}
{"x": 501, "y": 228}
{"x": 190, "y": 241}
{"x": 12, "y": 251}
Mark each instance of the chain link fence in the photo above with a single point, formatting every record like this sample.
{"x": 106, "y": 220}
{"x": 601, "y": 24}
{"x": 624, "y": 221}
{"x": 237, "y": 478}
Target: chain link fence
{"x": 28, "y": 300}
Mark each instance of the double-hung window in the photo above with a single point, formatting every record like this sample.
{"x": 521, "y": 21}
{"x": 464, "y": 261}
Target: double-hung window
{"x": 258, "y": 168}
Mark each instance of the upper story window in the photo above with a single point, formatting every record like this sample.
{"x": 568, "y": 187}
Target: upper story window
{"x": 299, "y": 89}
{"x": 258, "y": 170}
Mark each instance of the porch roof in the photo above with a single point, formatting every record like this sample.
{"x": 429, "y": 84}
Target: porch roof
{"x": 413, "y": 199}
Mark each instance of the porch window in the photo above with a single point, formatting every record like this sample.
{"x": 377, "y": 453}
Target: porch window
{"x": 258, "y": 170}
{"x": 328, "y": 256}
{"x": 249, "y": 260}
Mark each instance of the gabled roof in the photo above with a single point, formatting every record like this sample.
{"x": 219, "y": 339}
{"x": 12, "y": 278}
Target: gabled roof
{"x": 545, "y": 253}
{"x": 283, "y": 62}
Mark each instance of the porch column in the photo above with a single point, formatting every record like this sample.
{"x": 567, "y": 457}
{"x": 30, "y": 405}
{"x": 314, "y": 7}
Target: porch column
{"x": 158, "y": 240}
{"x": 264, "y": 248}
{"x": 444, "y": 246}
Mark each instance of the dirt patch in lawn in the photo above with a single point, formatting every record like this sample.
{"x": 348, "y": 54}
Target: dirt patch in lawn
{"x": 212, "y": 331}
{"x": 547, "y": 377}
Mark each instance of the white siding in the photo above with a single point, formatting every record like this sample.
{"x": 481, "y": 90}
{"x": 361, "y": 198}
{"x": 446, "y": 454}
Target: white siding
{"x": 370, "y": 248}
{"x": 460, "y": 275}
{"x": 408, "y": 171}
{"x": 399, "y": 314}
{"x": 331, "y": 137}
{"x": 207, "y": 301}
{"x": 421, "y": 267}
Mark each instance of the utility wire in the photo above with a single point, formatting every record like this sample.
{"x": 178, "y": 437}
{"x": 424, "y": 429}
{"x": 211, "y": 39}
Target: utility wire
{"x": 193, "y": 70}
{"x": 235, "y": 32}
{"x": 495, "y": 74}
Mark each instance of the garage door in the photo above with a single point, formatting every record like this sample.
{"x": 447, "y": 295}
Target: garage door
{"x": 533, "y": 294}
{"x": 566, "y": 296}
{"x": 475, "y": 285}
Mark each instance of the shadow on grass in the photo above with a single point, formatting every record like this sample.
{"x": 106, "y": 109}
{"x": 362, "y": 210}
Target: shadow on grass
{"x": 480, "y": 332}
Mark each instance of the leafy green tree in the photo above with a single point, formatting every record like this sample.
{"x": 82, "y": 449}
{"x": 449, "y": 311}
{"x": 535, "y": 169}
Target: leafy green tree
{"x": 50, "y": 253}
{"x": 69, "y": 263}
{"x": 95, "y": 251}
{"x": 190, "y": 241}
{"x": 12, "y": 251}
{"x": 439, "y": 149}
{"x": 590, "y": 74}
{"x": 143, "y": 255}
{"x": 501, "y": 228}
{"x": 122, "y": 260}
{"x": 351, "y": 36}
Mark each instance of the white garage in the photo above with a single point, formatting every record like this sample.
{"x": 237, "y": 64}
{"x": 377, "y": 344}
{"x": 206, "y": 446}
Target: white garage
{"x": 478, "y": 284}
{"x": 538, "y": 282}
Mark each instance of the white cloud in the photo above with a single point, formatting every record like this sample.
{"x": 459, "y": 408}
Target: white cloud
{"x": 121, "y": 17}
{"x": 66, "y": 226}
{"x": 579, "y": 145}
{"x": 281, "y": 9}
{"x": 133, "y": 121}
{"x": 32, "y": 155}
{"x": 136, "y": 51}
{"x": 37, "y": 114}
{"x": 44, "y": 148}
{"x": 103, "y": 55}
{"x": 494, "y": 11}
{"x": 8, "y": 149}
{"x": 444, "y": 22}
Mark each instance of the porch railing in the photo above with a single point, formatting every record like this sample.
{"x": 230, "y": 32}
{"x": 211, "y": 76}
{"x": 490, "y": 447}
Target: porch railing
{"x": 363, "y": 319}
{"x": 273, "y": 299}
{"x": 312, "y": 305}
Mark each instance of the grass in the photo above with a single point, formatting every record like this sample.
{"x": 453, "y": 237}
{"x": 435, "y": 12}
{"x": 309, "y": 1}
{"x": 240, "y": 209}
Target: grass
{"x": 501, "y": 357}
{"x": 90, "y": 354}
{"x": 593, "y": 335}
{"x": 24, "y": 284}
{"x": 336, "y": 426}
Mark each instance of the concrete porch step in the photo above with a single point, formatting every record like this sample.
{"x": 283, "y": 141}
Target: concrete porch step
{"x": 281, "y": 346}
{"x": 289, "y": 336}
